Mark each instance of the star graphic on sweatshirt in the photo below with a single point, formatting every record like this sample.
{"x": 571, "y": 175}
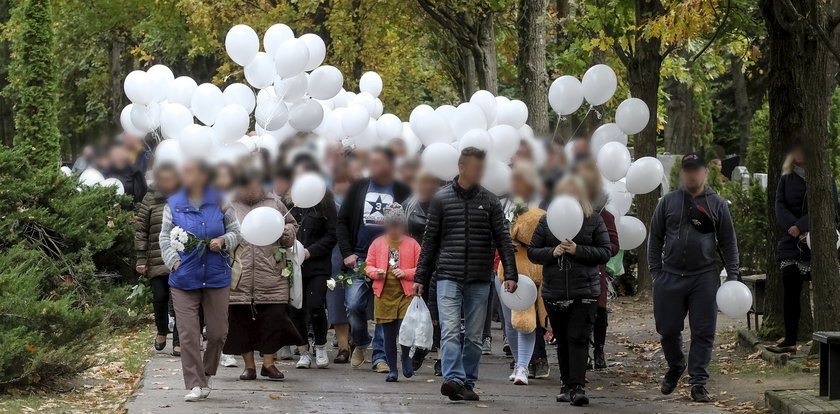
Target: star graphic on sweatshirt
{"x": 376, "y": 206}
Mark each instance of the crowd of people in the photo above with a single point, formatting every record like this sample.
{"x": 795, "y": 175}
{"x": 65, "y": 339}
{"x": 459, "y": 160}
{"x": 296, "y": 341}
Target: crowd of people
{"x": 387, "y": 231}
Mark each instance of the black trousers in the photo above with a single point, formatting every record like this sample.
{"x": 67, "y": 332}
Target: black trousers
{"x": 572, "y": 327}
{"x": 161, "y": 301}
{"x": 314, "y": 310}
{"x": 792, "y": 280}
{"x": 599, "y": 336}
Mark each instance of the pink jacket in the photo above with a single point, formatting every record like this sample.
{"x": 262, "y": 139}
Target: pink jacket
{"x": 377, "y": 259}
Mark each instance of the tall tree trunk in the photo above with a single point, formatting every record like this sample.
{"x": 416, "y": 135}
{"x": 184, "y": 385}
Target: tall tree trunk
{"x": 484, "y": 53}
{"x": 680, "y": 110}
{"x": 467, "y": 75}
{"x": 116, "y": 75}
{"x": 533, "y": 79}
{"x": 799, "y": 106}
{"x": 643, "y": 68}
{"x": 742, "y": 104}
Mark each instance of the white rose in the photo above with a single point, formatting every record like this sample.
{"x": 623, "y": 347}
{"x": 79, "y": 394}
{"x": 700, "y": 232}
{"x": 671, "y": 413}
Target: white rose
{"x": 178, "y": 246}
{"x": 331, "y": 284}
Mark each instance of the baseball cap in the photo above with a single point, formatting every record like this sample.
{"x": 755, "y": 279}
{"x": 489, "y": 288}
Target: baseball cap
{"x": 693, "y": 159}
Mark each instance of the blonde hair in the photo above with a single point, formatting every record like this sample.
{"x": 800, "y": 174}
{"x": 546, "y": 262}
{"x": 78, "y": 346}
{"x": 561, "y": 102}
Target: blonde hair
{"x": 787, "y": 167}
{"x": 528, "y": 172}
{"x": 580, "y": 188}
{"x": 587, "y": 170}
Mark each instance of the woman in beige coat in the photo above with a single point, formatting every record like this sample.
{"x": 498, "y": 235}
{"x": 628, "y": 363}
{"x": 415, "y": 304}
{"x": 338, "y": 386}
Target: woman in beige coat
{"x": 258, "y": 319}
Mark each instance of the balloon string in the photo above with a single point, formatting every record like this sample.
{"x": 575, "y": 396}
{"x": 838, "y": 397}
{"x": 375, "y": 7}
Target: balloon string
{"x": 556, "y": 127}
{"x": 591, "y": 109}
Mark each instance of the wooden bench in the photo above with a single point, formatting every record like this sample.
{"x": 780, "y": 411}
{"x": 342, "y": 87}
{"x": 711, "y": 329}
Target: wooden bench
{"x": 829, "y": 363}
{"x": 756, "y": 284}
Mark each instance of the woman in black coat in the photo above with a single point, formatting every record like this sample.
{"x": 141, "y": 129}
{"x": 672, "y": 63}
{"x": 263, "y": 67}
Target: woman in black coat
{"x": 316, "y": 232}
{"x": 792, "y": 251}
{"x": 571, "y": 286}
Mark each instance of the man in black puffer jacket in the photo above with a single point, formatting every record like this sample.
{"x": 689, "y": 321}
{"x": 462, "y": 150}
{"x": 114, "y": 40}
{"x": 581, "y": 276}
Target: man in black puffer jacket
{"x": 466, "y": 225}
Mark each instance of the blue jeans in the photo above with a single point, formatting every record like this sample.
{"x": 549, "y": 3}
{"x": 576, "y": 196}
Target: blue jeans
{"x": 459, "y": 361}
{"x": 357, "y": 298}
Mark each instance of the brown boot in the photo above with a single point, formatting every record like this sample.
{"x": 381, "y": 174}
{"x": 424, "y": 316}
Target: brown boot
{"x": 272, "y": 373}
{"x": 248, "y": 374}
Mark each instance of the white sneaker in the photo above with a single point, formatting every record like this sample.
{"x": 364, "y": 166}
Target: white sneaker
{"x": 194, "y": 395}
{"x": 520, "y": 375}
{"x": 171, "y": 324}
{"x": 512, "y": 375}
{"x": 305, "y": 360}
{"x": 205, "y": 391}
{"x": 227, "y": 361}
{"x": 285, "y": 353}
{"x": 322, "y": 358}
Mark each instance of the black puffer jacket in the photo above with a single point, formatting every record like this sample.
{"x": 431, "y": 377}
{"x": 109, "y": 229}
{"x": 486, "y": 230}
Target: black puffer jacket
{"x": 316, "y": 231}
{"x": 464, "y": 229}
{"x": 579, "y": 277}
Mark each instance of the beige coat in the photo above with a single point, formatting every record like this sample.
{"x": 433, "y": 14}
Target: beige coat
{"x": 521, "y": 233}
{"x": 261, "y": 281}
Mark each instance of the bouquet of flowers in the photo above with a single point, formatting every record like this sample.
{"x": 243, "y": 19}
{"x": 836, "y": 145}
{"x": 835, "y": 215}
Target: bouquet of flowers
{"x": 346, "y": 279}
{"x": 519, "y": 208}
{"x": 184, "y": 241}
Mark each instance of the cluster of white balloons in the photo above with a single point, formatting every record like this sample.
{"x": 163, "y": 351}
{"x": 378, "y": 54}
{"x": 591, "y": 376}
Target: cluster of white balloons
{"x": 494, "y": 124}
{"x": 622, "y": 176}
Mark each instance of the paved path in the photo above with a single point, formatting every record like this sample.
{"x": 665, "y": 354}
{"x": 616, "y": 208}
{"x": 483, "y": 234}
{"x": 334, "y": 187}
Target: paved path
{"x": 343, "y": 389}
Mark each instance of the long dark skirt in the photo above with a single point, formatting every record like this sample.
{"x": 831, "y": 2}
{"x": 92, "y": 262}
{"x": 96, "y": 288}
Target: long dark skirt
{"x": 266, "y": 329}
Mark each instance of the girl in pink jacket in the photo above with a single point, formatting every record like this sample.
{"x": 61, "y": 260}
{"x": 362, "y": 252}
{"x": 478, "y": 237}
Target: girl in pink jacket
{"x": 391, "y": 262}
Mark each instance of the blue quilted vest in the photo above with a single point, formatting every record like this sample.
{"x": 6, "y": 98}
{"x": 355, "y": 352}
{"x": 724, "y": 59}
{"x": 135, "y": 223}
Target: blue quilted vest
{"x": 200, "y": 268}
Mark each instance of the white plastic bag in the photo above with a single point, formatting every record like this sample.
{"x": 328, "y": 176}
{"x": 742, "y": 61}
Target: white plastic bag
{"x": 416, "y": 330}
{"x": 296, "y": 282}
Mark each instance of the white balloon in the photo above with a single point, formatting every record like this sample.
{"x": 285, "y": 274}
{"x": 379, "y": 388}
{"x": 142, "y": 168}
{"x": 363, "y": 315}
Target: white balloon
{"x": 305, "y": 115}
{"x": 564, "y": 217}
{"x": 249, "y": 142}
{"x": 501, "y": 100}
{"x": 90, "y": 177}
{"x": 231, "y": 123}
{"x": 240, "y": 94}
{"x": 565, "y": 95}
{"x": 379, "y": 107}
{"x": 604, "y": 134}
{"x": 448, "y": 112}
{"x": 513, "y": 113}
{"x": 161, "y": 77}
{"x": 325, "y": 82}
{"x": 113, "y": 182}
{"x": 331, "y": 126}
{"x": 368, "y": 138}
{"x": 169, "y": 151}
{"x": 632, "y": 115}
{"x": 613, "y": 161}
{"x": 476, "y": 138}
{"x": 231, "y": 153}
{"x": 734, "y": 299}
{"x": 418, "y": 111}
{"x": 174, "y": 117}
{"x": 308, "y": 190}
{"x": 181, "y": 90}
{"x": 644, "y": 175}
{"x": 242, "y": 44}
{"x": 317, "y": 50}
{"x": 271, "y": 114}
{"x": 127, "y": 125}
{"x": 260, "y": 72}
{"x": 343, "y": 98}
{"x": 355, "y": 120}
{"x": 431, "y": 127}
{"x": 291, "y": 57}
{"x": 441, "y": 160}
{"x": 505, "y": 141}
{"x": 388, "y": 126}
{"x": 371, "y": 83}
{"x": 599, "y": 84}
{"x": 524, "y": 297}
{"x": 263, "y": 226}
{"x": 207, "y": 101}
{"x": 468, "y": 116}
{"x": 496, "y": 178}
{"x": 139, "y": 87}
{"x": 487, "y": 102}
{"x": 146, "y": 118}
{"x": 197, "y": 142}
{"x": 293, "y": 88}
{"x": 66, "y": 170}
{"x": 269, "y": 143}
{"x": 366, "y": 100}
{"x": 275, "y": 36}
{"x": 411, "y": 140}
{"x": 631, "y": 232}
{"x": 620, "y": 199}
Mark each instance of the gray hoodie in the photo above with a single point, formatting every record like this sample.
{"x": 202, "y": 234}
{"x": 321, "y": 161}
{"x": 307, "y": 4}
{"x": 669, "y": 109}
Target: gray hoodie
{"x": 675, "y": 246}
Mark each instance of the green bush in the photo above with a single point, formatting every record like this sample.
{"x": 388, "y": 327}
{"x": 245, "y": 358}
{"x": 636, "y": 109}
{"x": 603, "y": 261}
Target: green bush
{"x": 53, "y": 297}
{"x": 759, "y": 145}
{"x": 748, "y": 207}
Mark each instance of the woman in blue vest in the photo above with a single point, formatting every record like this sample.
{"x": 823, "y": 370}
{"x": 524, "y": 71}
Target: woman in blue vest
{"x": 200, "y": 277}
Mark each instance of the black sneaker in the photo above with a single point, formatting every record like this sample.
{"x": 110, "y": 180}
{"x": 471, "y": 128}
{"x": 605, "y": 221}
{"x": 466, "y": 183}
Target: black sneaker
{"x": 699, "y": 394}
{"x": 453, "y": 390}
{"x": 532, "y": 369}
{"x": 542, "y": 368}
{"x": 672, "y": 378}
{"x": 563, "y": 397}
{"x": 578, "y": 396}
{"x": 599, "y": 359}
{"x": 438, "y": 370}
{"x": 418, "y": 358}
{"x": 469, "y": 394}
